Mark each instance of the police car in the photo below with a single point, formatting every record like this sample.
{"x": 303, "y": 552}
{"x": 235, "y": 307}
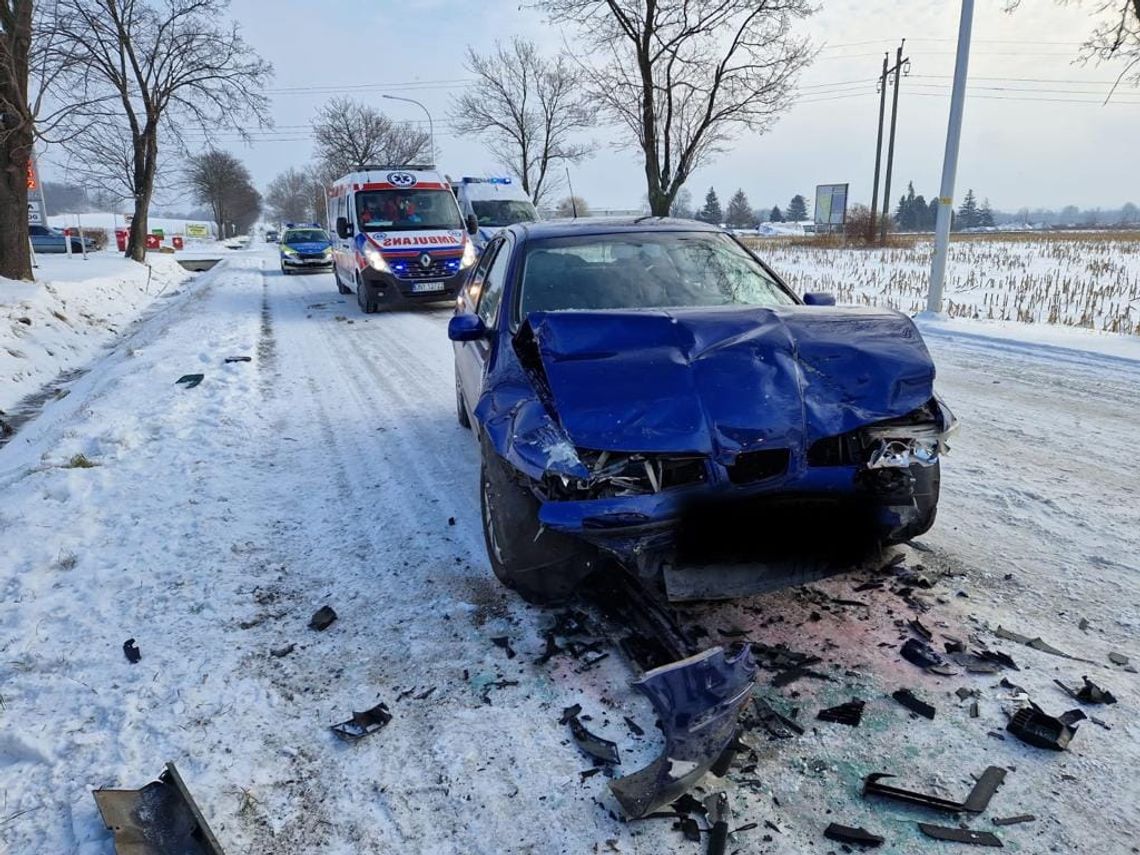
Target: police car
{"x": 493, "y": 203}
{"x": 305, "y": 247}
{"x": 399, "y": 236}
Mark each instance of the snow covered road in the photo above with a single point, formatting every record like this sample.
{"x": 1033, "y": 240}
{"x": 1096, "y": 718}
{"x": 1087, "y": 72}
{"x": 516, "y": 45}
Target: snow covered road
{"x": 330, "y": 470}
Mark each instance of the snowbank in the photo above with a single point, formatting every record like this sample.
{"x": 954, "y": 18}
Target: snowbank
{"x": 60, "y": 322}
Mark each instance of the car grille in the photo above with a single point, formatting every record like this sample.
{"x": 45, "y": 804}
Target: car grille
{"x": 413, "y": 270}
{"x": 751, "y": 466}
{"x": 311, "y": 256}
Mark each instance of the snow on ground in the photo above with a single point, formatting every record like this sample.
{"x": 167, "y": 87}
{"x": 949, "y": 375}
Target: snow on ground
{"x": 329, "y": 469}
{"x": 76, "y": 307}
{"x": 1066, "y": 279}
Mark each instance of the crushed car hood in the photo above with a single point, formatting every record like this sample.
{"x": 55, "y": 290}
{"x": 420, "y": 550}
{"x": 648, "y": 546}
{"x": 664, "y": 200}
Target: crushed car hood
{"x": 721, "y": 381}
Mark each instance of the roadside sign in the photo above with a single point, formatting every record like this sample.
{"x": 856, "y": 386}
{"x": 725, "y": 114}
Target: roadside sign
{"x": 35, "y": 213}
{"x": 159, "y": 233}
{"x": 830, "y": 206}
{"x": 197, "y": 230}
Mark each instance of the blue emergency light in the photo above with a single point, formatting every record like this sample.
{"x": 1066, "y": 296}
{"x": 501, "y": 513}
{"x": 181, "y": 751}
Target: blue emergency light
{"x": 467, "y": 179}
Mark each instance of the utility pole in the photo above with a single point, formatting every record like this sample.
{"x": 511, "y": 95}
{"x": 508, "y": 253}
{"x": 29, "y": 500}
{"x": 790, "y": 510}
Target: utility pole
{"x": 879, "y": 148}
{"x": 950, "y": 161}
{"x": 898, "y": 72}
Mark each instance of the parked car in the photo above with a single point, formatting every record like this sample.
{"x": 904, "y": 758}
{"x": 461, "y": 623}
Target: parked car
{"x": 271, "y": 236}
{"x": 649, "y": 391}
{"x": 47, "y": 239}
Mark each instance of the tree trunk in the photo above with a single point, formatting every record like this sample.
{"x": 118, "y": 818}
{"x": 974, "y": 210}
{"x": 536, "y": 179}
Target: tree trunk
{"x": 16, "y": 137}
{"x": 15, "y": 257}
{"x": 146, "y": 154}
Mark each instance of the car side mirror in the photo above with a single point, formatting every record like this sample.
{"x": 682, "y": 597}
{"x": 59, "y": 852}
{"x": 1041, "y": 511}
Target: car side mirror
{"x": 819, "y": 298}
{"x": 466, "y": 328}
{"x": 472, "y": 224}
{"x": 343, "y": 228}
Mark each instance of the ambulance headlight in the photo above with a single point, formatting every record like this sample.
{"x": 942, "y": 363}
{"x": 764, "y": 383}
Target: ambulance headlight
{"x": 375, "y": 258}
{"x": 468, "y": 255}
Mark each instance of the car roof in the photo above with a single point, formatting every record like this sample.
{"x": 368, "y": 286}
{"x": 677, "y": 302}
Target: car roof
{"x": 582, "y": 226}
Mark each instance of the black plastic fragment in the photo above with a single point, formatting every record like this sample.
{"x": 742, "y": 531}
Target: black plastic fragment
{"x": 600, "y": 749}
{"x": 322, "y": 619}
{"x": 850, "y": 713}
{"x": 634, "y": 727}
{"x": 907, "y": 699}
{"x": 569, "y": 713}
{"x": 921, "y": 654}
{"x": 959, "y": 835}
{"x": 363, "y": 724}
{"x": 919, "y": 627}
{"x": 238, "y": 359}
{"x": 690, "y": 829}
{"x": 975, "y": 802}
{"x": 131, "y": 651}
{"x": 998, "y": 658}
{"x": 688, "y": 803}
{"x": 504, "y": 643}
{"x": 846, "y": 834}
{"x": 1035, "y": 727}
{"x": 1014, "y": 820}
{"x": 1089, "y": 693}
{"x": 777, "y": 725}
{"x": 190, "y": 380}
{"x": 1117, "y": 658}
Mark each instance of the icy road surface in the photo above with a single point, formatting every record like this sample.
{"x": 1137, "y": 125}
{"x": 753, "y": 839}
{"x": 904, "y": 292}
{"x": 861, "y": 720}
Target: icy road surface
{"x": 327, "y": 470}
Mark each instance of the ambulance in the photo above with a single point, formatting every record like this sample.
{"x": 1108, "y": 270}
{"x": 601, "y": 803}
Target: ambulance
{"x": 492, "y": 203}
{"x": 399, "y": 237}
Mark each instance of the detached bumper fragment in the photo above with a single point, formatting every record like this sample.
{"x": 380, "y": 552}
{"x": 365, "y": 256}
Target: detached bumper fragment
{"x": 158, "y": 819}
{"x": 698, "y": 700}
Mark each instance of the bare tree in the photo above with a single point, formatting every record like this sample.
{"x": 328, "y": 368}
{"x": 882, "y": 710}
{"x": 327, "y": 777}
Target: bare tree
{"x": 290, "y": 196}
{"x": 17, "y": 135}
{"x": 527, "y": 110}
{"x": 220, "y": 181}
{"x": 166, "y": 64}
{"x": 685, "y": 75}
{"x": 1116, "y": 37}
{"x": 349, "y": 135}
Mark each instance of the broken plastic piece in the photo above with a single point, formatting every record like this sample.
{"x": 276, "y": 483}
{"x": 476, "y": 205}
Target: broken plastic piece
{"x": 569, "y": 713}
{"x": 238, "y": 359}
{"x": 131, "y": 651}
{"x": 322, "y": 619}
{"x": 190, "y": 380}
{"x": 1035, "y": 727}
{"x": 1089, "y": 693}
{"x": 504, "y": 642}
{"x": 363, "y": 724}
{"x": 777, "y": 725}
{"x": 158, "y": 819}
{"x": 998, "y": 658}
{"x": 959, "y": 835}
{"x": 717, "y": 807}
{"x": 1117, "y": 658}
{"x": 846, "y": 834}
{"x": 850, "y": 713}
{"x": 690, "y": 829}
{"x": 1014, "y": 820}
{"x": 975, "y": 802}
{"x": 698, "y": 700}
{"x": 600, "y": 749}
{"x": 907, "y": 699}
{"x": 921, "y": 654}
{"x": 919, "y": 627}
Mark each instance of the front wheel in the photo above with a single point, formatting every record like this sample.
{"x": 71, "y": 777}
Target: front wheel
{"x": 364, "y": 297}
{"x": 542, "y": 566}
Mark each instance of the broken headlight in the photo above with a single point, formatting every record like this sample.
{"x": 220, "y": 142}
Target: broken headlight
{"x": 613, "y": 474}
{"x": 918, "y": 438}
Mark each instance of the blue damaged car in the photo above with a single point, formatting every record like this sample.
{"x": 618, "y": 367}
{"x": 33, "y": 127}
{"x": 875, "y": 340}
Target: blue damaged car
{"x": 648, "y": 391}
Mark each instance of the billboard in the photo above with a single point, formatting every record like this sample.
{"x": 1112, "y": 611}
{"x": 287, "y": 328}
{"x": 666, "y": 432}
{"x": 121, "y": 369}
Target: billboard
{"x": 830, "y": 207}
{"x": 197, "y": 230}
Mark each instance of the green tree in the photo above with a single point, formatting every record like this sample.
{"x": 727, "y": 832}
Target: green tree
{"x": 797, "y": 209}
{"x": 739, "y": 214}
{"x": 906, "y": 214}
{"x": 776, "y": 215}
{"x": 968, "y": 212}
{"x": 711, "y": 212}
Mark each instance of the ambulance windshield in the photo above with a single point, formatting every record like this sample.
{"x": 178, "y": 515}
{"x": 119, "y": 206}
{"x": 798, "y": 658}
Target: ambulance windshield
{"x": 406, "y": 210}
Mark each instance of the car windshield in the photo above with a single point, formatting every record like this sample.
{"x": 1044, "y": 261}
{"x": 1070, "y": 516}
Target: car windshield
{"x": 503, "y": 212}
{"x": 644, "y": 270}
{"x": 305, "y": 236}
{"x": 407, "y": 210}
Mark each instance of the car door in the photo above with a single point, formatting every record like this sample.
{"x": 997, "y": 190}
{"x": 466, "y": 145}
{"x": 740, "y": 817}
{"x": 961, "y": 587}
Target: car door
{"x": 485, "y": 291}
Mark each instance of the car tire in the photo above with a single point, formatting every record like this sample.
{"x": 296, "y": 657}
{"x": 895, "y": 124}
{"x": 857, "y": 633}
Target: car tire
{"x": 541, "y": 566}
{"x": 364, "y": 297}
{"x": 460, "y": 408}
{"x": 340, "y": 286}
{"x": 284, "y": 270}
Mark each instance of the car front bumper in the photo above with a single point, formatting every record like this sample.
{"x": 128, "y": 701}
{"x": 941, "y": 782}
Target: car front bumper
{"x": 298, "y": 263}
{"x": 386, "y": 288}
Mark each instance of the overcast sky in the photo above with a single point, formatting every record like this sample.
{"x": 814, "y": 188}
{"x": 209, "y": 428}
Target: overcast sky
{"x": 1025, "y": 142}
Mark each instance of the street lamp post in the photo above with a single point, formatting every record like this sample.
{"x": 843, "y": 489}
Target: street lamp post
{"x": 431, "y": 128}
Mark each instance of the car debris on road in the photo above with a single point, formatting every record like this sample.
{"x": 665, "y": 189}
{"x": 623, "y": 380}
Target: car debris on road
{"x": 1035, "y": 727}
{"x": 976, "y": 802}
{"x": 855, "y": 836}
{"x": 189, "y": 381}
{"x": 960, "y": 835}
{"x": 161, "y": 818}
{"x": 131, "y": 651}
{"x": 363, "y": 724}
{"x": 322, "y": 619}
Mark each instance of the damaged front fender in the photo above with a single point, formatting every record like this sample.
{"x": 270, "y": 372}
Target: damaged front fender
{"x": 698, "y": 701}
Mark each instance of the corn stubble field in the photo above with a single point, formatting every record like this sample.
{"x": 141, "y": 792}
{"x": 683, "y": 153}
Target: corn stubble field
{"x": 1077, "y": 279}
